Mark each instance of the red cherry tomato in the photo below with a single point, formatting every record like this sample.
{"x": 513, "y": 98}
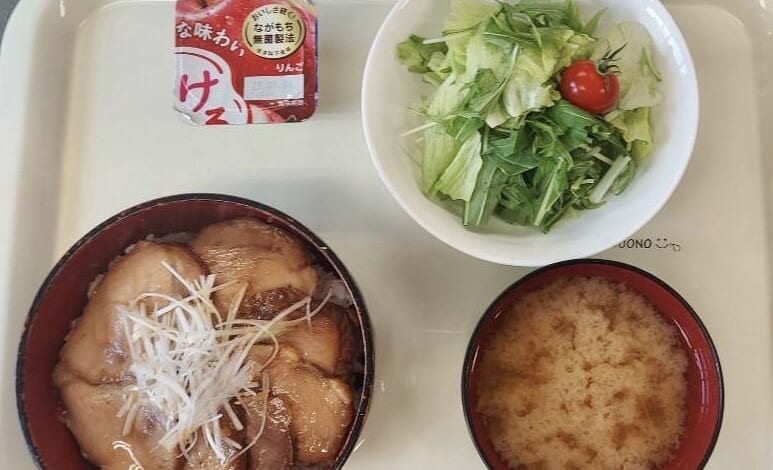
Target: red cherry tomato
{"x": 583, "y": 85}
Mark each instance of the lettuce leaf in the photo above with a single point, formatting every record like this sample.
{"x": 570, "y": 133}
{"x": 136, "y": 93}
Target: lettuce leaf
{"x": 416, "y": 56}
{"x": 447, "y": 98}
{"x": 466, "y": 14}
{"x": 481, "y": 55}
{"x": 459, "y": 179}
{"x": 530, "y": 87}
{"x": 636, "y": 128}
{"x": 439, "y": 151}
{"x": 524, "y": 94}
{"x": 430, "y": 60}
{"x": 639, "y": 78}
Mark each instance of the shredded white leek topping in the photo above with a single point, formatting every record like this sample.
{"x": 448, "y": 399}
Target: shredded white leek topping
{"x": 191, "y": 364}
{"x": 120, "y": 445}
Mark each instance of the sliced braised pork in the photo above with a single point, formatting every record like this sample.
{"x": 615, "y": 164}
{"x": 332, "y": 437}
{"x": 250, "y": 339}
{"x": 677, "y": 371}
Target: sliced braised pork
{"x": 328, "y": 342}
{"x": 273, "y": 449}
{"x": 96, "y": 349}
{"x": 256, "y": 256}
{"x": 320, "y": 407}
{"x": 92, "y": 418}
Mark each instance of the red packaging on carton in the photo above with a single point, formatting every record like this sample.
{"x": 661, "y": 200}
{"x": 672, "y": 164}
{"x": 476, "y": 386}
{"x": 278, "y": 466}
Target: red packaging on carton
{"x": 245, "y": 61}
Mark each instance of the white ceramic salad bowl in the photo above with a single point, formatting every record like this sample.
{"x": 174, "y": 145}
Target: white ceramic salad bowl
{"x": 389, "y": 90}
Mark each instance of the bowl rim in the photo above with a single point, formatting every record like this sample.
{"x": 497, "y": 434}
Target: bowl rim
{"x": 491, "y": 310}
{"x": 322, "y": 248}
{"x": 511, "y": 258}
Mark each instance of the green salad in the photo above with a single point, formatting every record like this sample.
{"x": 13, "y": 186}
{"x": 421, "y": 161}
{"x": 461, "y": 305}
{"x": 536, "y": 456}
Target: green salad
{"x": 532, "y": 114}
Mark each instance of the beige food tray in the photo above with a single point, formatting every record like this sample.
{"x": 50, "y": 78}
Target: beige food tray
{"x": 87, "y": 129}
